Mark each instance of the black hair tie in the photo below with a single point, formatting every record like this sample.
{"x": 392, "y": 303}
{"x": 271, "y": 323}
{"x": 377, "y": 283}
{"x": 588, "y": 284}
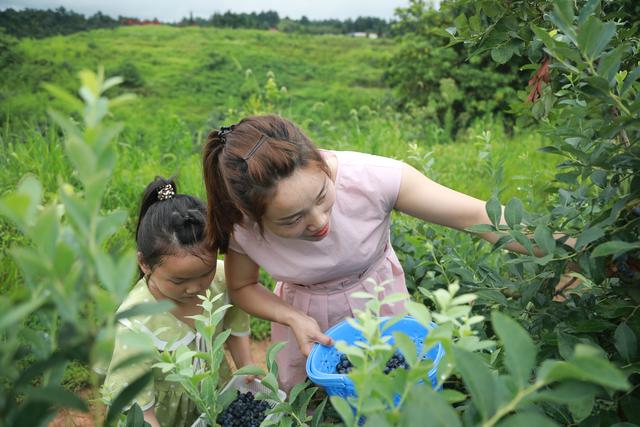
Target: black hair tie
{"x": 224, "y": 131}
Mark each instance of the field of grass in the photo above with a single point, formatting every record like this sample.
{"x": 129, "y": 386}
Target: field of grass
{"x": 190, "y": 80}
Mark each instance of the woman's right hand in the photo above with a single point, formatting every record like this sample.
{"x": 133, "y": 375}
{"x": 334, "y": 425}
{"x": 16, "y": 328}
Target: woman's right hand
{"x": 307, "y": 332}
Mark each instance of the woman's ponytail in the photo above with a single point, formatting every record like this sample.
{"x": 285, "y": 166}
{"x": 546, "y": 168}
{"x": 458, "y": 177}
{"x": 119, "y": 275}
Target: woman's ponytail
{"x": 222, "y": 213}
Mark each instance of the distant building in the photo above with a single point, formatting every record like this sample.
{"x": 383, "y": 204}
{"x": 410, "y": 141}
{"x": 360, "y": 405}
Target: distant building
{"x": 363, "y": 34}
{"x": 136, "y": 21}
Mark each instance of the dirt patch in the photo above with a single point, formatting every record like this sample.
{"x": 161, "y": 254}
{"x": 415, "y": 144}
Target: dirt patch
{"x": 70, "y": 418}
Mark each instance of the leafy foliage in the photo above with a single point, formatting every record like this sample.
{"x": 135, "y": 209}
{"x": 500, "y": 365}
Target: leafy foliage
{"x": 497, "y": 393}
{"x": 44, "y": 23}
{"x": 66, "y": 311}
{"x": 452, "y": 88}
{"x": 584, "y": 96}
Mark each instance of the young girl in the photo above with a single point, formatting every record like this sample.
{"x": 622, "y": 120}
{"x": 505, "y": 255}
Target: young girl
{"x": 176, "y": 265}
{"x": 318, "y": 222}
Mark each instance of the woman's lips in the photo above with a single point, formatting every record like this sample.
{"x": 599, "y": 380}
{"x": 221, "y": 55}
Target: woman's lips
{"x": 322, "y": 232}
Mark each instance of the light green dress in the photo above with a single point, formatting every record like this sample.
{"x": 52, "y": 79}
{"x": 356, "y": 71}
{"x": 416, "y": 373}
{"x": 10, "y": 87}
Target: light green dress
{"x": 172, "y": 405}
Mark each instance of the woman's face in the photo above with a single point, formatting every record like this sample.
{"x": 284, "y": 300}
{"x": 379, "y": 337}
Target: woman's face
{"x": 301, "y": 208}
{"x": 181, "y": 277}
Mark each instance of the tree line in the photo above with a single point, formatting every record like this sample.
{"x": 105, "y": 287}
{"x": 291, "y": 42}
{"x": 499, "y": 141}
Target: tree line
{"x": 44, "y": 23}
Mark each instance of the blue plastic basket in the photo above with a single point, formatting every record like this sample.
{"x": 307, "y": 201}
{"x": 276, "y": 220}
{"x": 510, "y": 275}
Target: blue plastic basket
{"x": 322, "y": 360}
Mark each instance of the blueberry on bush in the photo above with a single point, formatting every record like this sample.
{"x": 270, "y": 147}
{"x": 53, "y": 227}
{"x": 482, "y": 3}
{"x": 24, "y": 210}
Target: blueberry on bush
{"x": 244, "y": 411}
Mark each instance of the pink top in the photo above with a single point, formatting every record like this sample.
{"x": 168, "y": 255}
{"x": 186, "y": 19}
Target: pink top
{"x": 367, "y": 188}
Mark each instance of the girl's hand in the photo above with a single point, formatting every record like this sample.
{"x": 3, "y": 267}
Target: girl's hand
{"x": 307, "y": 332}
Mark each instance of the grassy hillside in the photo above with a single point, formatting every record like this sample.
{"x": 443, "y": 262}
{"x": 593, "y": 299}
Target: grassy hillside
{"x": 199, "y": 73}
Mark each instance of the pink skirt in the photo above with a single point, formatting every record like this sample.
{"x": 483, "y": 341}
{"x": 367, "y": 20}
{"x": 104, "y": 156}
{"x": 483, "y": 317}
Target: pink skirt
{"x": 329, "y": 303}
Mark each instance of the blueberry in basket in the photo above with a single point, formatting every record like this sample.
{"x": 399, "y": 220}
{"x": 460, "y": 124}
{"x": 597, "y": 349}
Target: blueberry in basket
{"x": 396, "y": 361}
{"x": 243, "y": 411}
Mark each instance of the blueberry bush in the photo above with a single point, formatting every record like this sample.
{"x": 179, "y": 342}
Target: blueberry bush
{"x": 578, "y": 297}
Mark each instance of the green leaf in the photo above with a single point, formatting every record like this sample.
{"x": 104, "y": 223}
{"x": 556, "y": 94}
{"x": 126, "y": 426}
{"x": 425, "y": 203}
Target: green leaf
{"x": 126, "y": 396}
{"x": 318, "y": 413}
{"x": 83, "y": 158}
{"x": 135, "y": 417}
{"x": 145, "y": 309}
{"x": 528, "y": 419}
{"x": 20, "y": 311}
{"x": 609, "y": 64}
{"x": 419, "y": 312}
{"x": 21, "y": 205}
{"x": 629, "y": 80}
{"x": 271, "y": 355}
{"x": 481, "y": 228}
{"x": 421, "y": 402}
{"x": 343, "y": 409}
{"x": 126, "y": 268}
{"x": 523, "y": 240}
{"x": 453, "y": 396}
{"x": 220, "y": 339}
{"x": 563, "y": 17}
{"x": 544, "y": 239}
{"x": 296, "y": 390}
{"x": 520, "y": 351}
{"x": 494, "y": 210}
{"x": 615, "y": 247}
{"x": 513, "y": 212}
{"x": 501, "y": 54}
{"x": 594, "y": 36}
{"x": 303, "y": 401}
{"x": 591, "y": 369}
{"x": 270, "y": 382}
{"x": 251, "y": 370}
{"x": 567, "y": 392}
{"x": 107, "y": 225}
{"x": 407, "y": 347}
{"x": 76, "y": 211}
{"x": 587, "y": 236}
{"x": 544, "y": 37}
{"x": 588, "y": 9}
{"x": 626, "y": 342}
{"x": 72, "y": 102}
{"x": 107, "y": 272}
{"x": 581, "y": 409}
{"x": 110, "y": 82}
{"x": 462, "y": 24}
{"x": 478, "y": 380}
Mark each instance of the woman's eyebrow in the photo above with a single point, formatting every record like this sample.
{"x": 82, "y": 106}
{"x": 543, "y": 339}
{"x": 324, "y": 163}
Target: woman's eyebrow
{"x": 300, "y": 212}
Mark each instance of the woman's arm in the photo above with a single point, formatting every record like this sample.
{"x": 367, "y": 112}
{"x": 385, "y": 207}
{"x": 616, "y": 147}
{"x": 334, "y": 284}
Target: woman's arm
{"x": 427, "y": 200}
{"x": 245, "y": 291}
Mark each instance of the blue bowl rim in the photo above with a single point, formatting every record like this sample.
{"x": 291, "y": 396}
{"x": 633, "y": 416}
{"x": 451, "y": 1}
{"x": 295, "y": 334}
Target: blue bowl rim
{"x": 341, "y": 378}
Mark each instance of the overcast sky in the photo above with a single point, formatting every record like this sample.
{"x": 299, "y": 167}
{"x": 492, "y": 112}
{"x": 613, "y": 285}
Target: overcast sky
{"x": 174, "y": 10}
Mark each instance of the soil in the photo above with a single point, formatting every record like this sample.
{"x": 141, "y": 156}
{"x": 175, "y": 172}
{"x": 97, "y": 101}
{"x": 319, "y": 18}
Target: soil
{"x": 70, "y": 418}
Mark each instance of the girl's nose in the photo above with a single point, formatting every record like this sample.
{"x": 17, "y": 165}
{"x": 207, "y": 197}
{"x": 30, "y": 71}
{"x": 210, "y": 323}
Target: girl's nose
{"x": 198, "y": 287}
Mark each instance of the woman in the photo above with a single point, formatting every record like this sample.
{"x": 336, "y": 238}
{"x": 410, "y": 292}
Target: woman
{"x": 316, "y": 221}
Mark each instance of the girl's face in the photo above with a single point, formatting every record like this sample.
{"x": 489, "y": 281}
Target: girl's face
{"x": 181, "y": 277}
{"x": 301, "y": 208}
